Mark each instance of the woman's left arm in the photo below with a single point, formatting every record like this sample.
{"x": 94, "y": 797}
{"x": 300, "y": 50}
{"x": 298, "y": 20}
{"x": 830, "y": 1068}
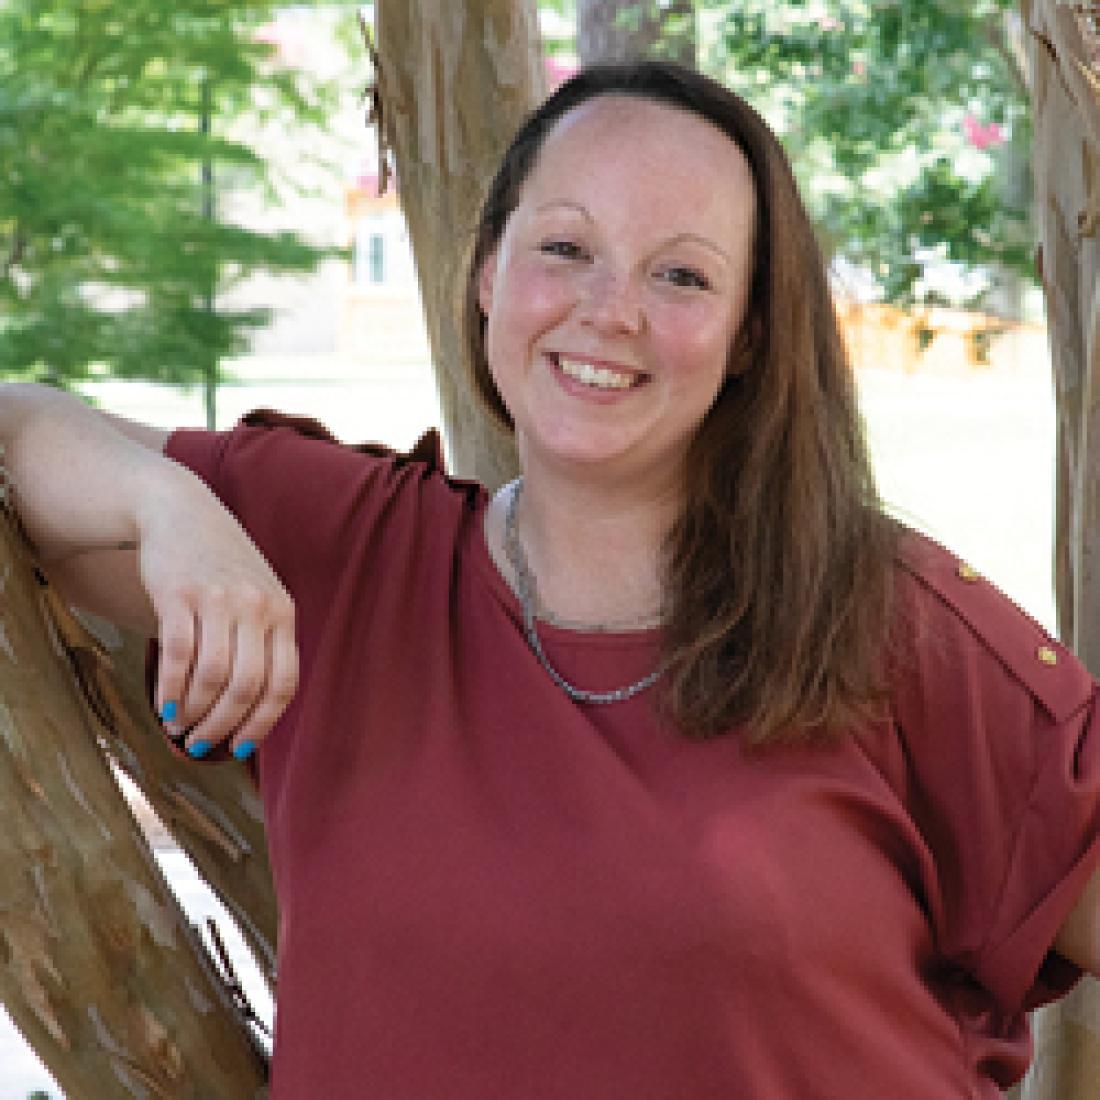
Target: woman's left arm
{"x": 1079, "y": 937}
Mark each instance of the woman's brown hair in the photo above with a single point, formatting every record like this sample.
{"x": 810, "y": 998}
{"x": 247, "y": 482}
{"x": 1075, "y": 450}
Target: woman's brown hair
{"x": 778, "y": 572}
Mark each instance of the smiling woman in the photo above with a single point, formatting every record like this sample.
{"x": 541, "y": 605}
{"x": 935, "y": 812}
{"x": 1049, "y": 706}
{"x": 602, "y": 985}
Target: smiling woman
{"x": 674, "y": 769}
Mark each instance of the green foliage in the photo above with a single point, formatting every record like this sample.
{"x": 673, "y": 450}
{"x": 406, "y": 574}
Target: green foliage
{"x": 112, "y": 249}
{"x": 907, "y": 124}
{"x": 673, "y": 20}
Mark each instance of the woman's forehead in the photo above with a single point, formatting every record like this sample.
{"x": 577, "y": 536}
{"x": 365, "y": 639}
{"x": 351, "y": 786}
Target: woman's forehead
{"x": 640, "y": 123}
{"x": 637, "y": 148}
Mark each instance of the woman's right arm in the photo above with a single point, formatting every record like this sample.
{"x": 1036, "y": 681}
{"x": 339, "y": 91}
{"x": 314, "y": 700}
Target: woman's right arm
{"x": 126, "y": 533}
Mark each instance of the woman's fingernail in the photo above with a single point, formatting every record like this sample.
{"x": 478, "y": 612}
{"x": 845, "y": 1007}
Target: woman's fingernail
{"x": 244, "y": 750}
{"x": 199, "y": 748}
{"x": 169, "y": 711}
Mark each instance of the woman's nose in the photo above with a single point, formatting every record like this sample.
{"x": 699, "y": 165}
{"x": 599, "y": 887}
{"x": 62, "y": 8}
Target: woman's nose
{"x": 612, "y": 303}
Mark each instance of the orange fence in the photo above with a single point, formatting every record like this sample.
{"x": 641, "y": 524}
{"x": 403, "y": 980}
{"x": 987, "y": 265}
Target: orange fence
{"x": 937, "y": 340}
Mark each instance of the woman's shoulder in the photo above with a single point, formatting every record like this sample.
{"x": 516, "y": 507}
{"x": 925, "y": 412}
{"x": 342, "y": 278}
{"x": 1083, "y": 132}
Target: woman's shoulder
{"x": 315, "y": 506}
{"x": 425, "y": 459}
{"x": 949, "y": 614}
{"x": 274, "y": 455}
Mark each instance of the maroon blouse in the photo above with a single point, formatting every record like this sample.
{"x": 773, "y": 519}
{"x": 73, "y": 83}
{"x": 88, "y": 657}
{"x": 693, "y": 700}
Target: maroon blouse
{"x": 487, "y": 890}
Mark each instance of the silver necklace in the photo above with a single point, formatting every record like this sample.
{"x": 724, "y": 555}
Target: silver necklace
{"x": 525, "y": 588}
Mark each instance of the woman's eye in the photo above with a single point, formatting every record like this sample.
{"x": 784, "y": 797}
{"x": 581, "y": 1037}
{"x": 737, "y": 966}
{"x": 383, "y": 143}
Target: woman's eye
{"x": 567, "y": 250}
{"x": 686, "y": 277}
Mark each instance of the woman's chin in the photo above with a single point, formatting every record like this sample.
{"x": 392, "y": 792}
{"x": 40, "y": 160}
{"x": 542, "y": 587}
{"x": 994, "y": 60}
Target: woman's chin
{"x": 586, "y": 456}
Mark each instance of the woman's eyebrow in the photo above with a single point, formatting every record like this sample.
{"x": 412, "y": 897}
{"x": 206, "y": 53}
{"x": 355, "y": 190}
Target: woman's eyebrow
{"x": 706, "y": 242}
{"x": 567, "y": 203}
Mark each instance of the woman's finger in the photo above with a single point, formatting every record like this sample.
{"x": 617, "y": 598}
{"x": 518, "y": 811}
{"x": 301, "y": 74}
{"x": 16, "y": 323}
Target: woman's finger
{"x": 279, "y": 689}
{"x": 242, "y": 690}
{"x": 177, "y": 653}
{"x": 213, "y": 664}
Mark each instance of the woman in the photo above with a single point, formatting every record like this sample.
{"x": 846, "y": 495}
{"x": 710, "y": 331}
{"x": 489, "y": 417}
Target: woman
{"x": 674, "y": 769}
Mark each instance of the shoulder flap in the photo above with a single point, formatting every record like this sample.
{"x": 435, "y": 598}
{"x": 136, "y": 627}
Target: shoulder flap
{"x": 1050, "y": 672}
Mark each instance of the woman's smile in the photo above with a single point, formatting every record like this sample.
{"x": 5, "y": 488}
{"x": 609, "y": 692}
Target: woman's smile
{"x": 592, "y": 378}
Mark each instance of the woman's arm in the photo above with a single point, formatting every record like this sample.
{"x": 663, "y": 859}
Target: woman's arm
{"x": 1079, "y": 937}
{"x": 80, "y": 482}
{"x": 127, "y": 533}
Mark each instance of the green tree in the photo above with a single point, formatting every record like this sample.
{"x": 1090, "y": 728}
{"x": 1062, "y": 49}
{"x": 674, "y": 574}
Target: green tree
{"x": 907, "y": 125}
{"x": 119, "y": 120}
{"x": 615, "y": 30}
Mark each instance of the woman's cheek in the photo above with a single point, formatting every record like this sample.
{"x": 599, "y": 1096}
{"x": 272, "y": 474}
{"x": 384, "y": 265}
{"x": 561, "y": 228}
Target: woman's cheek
{"x": 545, "y": 291}
{"x": 692, "y": 335}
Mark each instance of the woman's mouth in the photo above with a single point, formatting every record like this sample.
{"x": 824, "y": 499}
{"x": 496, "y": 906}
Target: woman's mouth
{"x": 597, "y": 376}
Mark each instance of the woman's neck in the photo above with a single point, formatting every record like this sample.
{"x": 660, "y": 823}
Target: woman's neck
{"x": 595, "y": 550}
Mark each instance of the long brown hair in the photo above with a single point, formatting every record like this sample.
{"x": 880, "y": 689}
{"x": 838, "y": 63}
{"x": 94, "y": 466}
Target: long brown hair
{"x": 778, "y": 571}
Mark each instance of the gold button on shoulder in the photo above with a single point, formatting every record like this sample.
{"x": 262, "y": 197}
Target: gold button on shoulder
{"x": 1047, "y": 655}
{"x": 968, "y": 573}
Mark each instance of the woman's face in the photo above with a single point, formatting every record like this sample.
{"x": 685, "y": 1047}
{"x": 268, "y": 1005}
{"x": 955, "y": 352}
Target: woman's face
{"x": 617, "y": 288}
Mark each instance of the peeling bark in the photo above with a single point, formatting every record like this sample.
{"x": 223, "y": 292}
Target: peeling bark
{"x": 99, "y": 967}
{"x": 453, "y": 83}
{"x": 213, "y": 811}
{"x": 1062, "y": 52}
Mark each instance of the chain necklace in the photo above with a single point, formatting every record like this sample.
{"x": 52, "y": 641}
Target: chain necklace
{"x": 525, "y": 588}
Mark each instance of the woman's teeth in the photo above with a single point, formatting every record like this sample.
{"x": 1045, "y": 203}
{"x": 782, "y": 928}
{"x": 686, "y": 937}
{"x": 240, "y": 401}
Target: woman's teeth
{"x": 590, "y": 375}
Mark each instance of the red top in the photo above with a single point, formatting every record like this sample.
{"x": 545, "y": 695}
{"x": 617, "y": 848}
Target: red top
{"x": 487, "y": 890}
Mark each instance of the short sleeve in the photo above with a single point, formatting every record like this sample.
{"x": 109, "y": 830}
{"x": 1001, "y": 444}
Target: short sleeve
{"x": 1000, "y": 769}
{"x": 1055, "y": 852}
{"x": 304, "y": 498}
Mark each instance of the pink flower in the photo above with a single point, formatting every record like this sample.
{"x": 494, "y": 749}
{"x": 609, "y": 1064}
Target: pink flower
{"x": 982, "y": 135}
{"x": 559, "y": 70}
{"x": 828, "y": 23}
{"x": 286, "y": 48}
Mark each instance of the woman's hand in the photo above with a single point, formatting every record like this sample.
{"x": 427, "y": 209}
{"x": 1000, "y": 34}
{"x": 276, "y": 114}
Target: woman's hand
{"x": 123, "y": 532}
{"x": 228, "y": 657}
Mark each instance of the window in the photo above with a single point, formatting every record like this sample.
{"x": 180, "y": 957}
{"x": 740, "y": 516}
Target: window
{"x": 369, "y": 257}
{"x": 377, "y": 258}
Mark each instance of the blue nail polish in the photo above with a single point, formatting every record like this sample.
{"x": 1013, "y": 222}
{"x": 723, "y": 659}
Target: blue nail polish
{"x": 244, "y": 750}
{"x": 199, "y": 749}
{"x": 169, "y": 711}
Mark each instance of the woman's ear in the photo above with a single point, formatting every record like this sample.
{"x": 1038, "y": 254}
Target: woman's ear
{"x": 486, "y": 277}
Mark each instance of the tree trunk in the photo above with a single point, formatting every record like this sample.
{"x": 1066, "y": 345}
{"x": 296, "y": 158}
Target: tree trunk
{"x": 98, "y": 965}
{"x": 454, "y": 81}
{"x": 213, "y": 813}
{"x": 627, "y": 30}
{"x": 1062, "y": 52}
